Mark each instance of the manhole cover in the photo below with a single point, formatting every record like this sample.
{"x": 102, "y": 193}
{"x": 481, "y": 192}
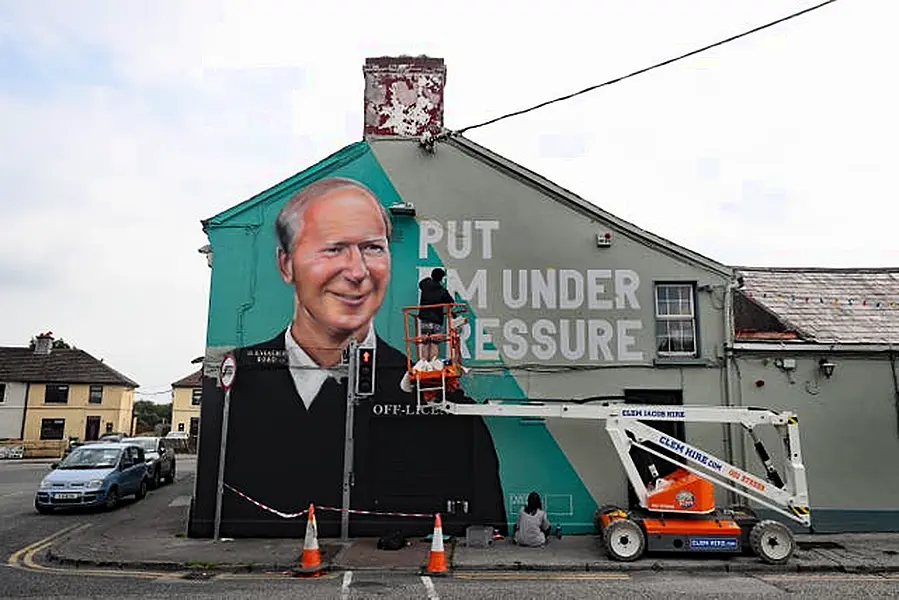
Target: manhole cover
{"x": 199, "y": 576}
{"x": 820, "y": 546}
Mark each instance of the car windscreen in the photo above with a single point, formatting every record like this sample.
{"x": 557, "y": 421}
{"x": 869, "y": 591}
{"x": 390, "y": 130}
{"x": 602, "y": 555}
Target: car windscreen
{"x": 148, "y": 444}
{"x": 91, "y": 458}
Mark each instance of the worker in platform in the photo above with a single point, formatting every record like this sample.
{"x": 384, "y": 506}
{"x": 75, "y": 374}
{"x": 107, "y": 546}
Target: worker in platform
{"x": 432, "y": 318}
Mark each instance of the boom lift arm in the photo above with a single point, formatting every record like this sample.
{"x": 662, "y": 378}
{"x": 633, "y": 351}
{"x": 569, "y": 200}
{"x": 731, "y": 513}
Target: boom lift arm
{"x": 788, "y": 495}
{"x": 676, "y": 512}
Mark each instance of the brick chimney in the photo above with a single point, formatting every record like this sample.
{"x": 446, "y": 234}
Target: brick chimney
{"x": 403, "y": 95}
{"x": 43, "y": 344}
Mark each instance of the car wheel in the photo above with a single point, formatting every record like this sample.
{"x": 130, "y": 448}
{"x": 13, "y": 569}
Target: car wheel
{"x": 44, "y": 510}
{"x": 170, "y": 477}
{"x": 141, "y": 490}
{"x": 112, "y": 498}
{"x": 156, "y": 477}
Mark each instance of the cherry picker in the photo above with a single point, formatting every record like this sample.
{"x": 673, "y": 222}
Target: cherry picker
{"x": 676, "y": 512}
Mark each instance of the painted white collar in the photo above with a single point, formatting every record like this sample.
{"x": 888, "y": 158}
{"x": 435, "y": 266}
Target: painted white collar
{"x": 308, "y": 377}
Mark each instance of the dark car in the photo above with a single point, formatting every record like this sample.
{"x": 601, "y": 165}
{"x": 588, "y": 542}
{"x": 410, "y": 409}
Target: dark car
{"x": 160, "y": 458}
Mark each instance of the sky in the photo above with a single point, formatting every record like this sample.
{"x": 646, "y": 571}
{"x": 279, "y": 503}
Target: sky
{"x": 123, "y": 124}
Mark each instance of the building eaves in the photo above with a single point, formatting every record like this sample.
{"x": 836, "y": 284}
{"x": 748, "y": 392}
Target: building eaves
{"x": 581, "y": 204}
{"x": 194, "y": 380}
{"x": 343, "y": 156}
{"x": 61, "y": 365}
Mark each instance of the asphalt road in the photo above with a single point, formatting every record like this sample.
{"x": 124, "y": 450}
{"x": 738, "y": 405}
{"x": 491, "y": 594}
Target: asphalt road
{"x": 20, "y": 526}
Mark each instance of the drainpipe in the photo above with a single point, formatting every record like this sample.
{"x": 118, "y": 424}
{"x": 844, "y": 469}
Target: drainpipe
{"x": 25, "y": 411}
{"x": 728, "y": 358}
{"x": 895, "y": 386}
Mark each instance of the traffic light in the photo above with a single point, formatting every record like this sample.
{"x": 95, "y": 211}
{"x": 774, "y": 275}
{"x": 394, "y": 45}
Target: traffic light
{"x": 365, "y": 371}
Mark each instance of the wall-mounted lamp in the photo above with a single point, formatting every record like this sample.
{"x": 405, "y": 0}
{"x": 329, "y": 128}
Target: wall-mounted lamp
{"x": 402, "y": 208}
{"x": 826, "y": 367}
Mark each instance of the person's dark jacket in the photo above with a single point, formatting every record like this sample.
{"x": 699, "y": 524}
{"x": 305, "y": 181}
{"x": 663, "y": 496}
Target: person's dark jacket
{"x": 285, "y": 456}
{"x": 432, "y": 292}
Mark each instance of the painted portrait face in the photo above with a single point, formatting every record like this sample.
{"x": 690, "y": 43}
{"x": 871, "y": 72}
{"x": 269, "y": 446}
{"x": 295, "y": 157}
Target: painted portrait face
{"x": 339, "y": 264}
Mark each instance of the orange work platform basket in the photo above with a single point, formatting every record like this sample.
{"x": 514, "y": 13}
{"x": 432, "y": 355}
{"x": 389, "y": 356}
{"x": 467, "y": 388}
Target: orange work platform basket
{"x": 433, "y": 379}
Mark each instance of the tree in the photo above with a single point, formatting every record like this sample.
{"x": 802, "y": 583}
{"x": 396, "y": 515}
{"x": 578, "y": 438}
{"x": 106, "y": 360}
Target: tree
{"x": 149, "y": 415}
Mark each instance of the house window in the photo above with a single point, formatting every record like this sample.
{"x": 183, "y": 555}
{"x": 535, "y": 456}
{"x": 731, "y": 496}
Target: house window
{"x": 96, "y": 395}
{"x": 180, "y": 426}
{"x": 53, "y": 429}
{"x": 2, "y": 393}
{"x": 108, "y": 427}
{"x": 195, "y": 397}
{"x": 56, "y": 394}
{"x": 675, "y": 319}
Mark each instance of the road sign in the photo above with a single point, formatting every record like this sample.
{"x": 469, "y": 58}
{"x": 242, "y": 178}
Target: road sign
{"x": 228, "y": 371}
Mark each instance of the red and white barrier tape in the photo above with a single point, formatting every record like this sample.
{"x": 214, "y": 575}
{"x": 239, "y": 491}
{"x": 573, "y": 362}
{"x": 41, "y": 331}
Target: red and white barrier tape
{"x": 285, "y": 515}
{"x": 274, "y": 511}
{"x": 382, "y": 514}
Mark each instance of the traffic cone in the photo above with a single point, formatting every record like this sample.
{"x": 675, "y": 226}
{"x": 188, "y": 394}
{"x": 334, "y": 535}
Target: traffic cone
{"x": 437, "y": 558}
{"x": 311, "y": 561}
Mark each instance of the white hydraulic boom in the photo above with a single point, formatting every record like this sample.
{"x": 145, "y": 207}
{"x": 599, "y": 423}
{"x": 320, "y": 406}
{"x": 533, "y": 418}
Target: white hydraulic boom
{"x": 787, "y": 495}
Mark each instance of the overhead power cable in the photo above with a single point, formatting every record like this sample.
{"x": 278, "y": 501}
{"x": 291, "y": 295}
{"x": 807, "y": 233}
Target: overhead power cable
{"x": 645, "y": 69}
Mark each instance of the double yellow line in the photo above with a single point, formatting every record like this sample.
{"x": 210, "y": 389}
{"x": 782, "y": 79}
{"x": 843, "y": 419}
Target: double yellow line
{"x": 26, "y": 554}
{"x": 24, "y": 559}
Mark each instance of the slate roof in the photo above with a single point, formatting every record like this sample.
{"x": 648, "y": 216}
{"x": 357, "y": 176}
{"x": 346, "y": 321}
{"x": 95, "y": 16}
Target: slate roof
{"x": 194, "y": 380}
{"x": 829, "y": 305}
{"x": 60, "y": 366}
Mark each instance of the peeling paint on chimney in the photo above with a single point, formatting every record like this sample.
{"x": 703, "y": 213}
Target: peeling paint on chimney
{"x": 403, "y": 95}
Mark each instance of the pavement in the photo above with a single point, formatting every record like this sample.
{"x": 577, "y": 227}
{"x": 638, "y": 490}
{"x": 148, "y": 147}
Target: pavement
{"x": 148, "y": 535}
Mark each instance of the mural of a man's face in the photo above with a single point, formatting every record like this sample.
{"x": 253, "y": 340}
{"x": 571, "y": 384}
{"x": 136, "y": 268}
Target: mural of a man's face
{"x": 339, "y": 264}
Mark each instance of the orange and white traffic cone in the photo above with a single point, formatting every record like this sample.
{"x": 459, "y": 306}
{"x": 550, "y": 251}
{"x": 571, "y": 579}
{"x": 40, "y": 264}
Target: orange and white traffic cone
{"x": 437, "y": 558}
{"x": 311, "y": 561}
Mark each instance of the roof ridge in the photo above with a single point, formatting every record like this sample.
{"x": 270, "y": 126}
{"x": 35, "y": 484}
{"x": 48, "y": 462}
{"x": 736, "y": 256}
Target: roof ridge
{"x": 819, "y": 269}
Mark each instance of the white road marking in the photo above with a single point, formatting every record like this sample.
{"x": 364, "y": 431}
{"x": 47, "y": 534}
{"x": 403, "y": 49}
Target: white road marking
{"x": 345, "y": 588}
{"x": 429, "y": 586}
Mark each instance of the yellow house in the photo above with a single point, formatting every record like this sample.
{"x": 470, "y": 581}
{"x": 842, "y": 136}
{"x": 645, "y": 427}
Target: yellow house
{"x": 186, "y": 396}
{"x": 67, "y": 392}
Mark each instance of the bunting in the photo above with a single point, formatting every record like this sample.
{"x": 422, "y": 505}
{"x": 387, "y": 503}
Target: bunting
{"x": 881, "y": 303}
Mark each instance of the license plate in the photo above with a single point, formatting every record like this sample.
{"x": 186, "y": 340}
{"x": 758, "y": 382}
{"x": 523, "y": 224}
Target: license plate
{"x": 66, "y": 496}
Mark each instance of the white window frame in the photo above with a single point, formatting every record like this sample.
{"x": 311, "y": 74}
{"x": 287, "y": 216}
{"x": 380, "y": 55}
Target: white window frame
{"x": 660, "y": 318}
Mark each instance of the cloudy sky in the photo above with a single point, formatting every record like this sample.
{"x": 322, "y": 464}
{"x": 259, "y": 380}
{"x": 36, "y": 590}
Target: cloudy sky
{"x": 123, "y": 124}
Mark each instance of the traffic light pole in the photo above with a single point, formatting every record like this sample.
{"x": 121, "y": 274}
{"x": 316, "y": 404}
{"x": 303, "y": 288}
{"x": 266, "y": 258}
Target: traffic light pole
{"x": 348, "y": 443}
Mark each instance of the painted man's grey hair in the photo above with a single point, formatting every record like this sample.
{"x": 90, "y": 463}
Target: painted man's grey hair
{"x": 287, "y": 223}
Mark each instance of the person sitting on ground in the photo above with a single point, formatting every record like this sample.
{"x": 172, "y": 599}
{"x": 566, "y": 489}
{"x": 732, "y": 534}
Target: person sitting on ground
{"x": 532, "y": 526}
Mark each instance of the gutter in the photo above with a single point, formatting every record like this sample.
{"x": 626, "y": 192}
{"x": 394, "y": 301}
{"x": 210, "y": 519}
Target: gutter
{"x": 811, "y": 347}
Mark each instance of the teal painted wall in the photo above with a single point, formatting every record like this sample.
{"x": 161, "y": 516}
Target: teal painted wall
{"x": 572, "y": 464}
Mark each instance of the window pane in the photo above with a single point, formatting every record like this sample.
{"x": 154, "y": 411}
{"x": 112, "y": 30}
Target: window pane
{"x": 96, "y": 394}
{"x": 52, "y": 429}
{"x": 56, "y": 394}
{"x": 675, "y": 336}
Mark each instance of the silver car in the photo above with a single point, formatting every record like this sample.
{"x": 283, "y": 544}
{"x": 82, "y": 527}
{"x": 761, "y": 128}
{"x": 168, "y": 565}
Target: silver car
{"x": 159, "y": 457}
